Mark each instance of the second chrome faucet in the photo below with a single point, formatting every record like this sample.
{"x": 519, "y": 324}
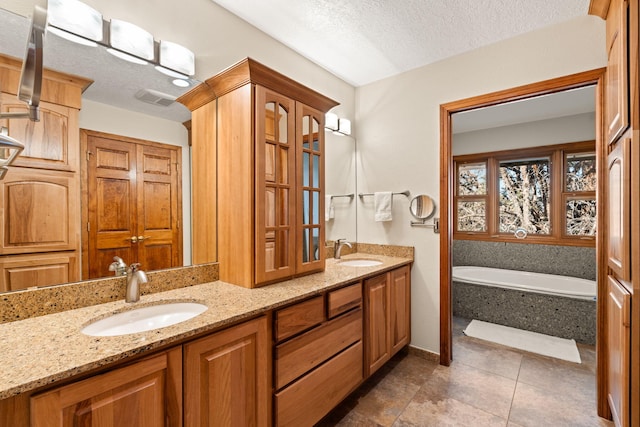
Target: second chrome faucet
{"x": 337, "y": 247}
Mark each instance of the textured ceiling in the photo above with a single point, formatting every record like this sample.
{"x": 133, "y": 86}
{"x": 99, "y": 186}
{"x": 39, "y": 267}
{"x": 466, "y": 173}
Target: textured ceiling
{"x": 362, "y": 41}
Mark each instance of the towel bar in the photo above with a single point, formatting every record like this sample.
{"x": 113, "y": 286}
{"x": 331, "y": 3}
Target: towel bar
{"x": 343, "y": 195}
{"x": 404, "y": 193}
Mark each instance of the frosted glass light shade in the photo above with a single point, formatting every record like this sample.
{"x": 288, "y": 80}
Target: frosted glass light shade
{"x": 131, "y": 39}
{"x": 75, "y": 17}
{"x": 177, "y": 58}
{"x": 344, "y": 126}
{"x": 331, "y": 121}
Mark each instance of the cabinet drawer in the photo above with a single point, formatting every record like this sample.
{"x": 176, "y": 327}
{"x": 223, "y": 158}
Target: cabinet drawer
{"x": 307, "y": 351}
{"x": 344, "y": 300}
{"x": 298, "y": 318}
{"x": 310, "y": 398}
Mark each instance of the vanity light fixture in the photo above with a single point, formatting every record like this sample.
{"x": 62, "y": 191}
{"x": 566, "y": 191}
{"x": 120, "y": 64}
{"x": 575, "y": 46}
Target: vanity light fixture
{"x": 344, "y": 126}
{"x": 78, "y": 22}
{"x": 130, "y": 42}
{"x": 337, "y": 125}
{"x": 331, "y": 121}
{"x": 75, "y": 21}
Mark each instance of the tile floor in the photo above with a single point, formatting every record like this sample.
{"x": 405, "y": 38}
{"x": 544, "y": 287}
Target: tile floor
{"x": 486, "y": 385}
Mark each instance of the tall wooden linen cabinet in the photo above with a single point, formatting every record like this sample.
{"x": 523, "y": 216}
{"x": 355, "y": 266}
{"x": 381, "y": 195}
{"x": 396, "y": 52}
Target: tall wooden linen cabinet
{"x": 619, "y": 316}
{"x": 40, "y": 195}
{"x": 263, "y": 135}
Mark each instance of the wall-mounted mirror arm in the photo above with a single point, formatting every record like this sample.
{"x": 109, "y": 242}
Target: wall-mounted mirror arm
{"x": 30, "y": 86}
{"x": 422, "y": 207}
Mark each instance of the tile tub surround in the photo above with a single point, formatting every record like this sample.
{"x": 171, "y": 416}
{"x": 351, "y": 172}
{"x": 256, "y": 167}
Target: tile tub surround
{"x": 28, "y": 303}
{"x": 38, "y": 351}
{"x": 571, "y": 261}
{"x": 547, "y": 314}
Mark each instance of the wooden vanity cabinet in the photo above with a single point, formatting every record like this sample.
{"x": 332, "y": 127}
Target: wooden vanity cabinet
{"x": 616, "y": 105}
{"x": 318, "y": 355}
{"x": 387, "y": 302}
{"x": 146, "y": 393}
{"x": 269, "y": 195}
{"x": 227, "y": 377}
{"x": 40, "y": 195}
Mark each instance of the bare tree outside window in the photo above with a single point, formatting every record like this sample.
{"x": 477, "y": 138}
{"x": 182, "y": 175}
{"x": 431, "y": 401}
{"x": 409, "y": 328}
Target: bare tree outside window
{"x": 525, "y": 197}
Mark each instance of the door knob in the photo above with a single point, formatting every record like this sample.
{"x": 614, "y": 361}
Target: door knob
{"x": 141, "y": 238}
{"x": 133, "y": 239}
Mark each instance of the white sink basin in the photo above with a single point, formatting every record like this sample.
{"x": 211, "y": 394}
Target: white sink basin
{"x": 144, "y": 319}
{"x": 360, "y": 262}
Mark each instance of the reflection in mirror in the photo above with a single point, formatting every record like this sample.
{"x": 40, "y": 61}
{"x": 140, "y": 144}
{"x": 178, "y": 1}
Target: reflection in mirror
{"x": 340, "y": 180}
{"x": 422, "y": 206}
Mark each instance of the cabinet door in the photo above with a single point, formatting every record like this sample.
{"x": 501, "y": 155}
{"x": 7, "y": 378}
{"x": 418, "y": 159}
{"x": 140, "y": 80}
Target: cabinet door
{"x": 618, "y": 209}
{"x": 617, "y": 75}
{"x": 400, "y": 308}
{"x": 39, "y": 211}
{"x": 227, "y": 377}
{"x": 48, "y": 144}
{"x": 310, "y": 178}
{"x": 275, "y": 186}
{"x": 618, "y": 350}
{"x": 24, "y": 271}
{"x": 145, "y": 394}
{"x": 377, "y": 341}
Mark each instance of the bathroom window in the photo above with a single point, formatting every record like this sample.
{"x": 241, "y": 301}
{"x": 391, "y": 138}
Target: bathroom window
{"x": 471, "y": 197}
{"x": 579, "y": 195}
{"x": 548, "y": 191}
{"x": 524, "y": 201}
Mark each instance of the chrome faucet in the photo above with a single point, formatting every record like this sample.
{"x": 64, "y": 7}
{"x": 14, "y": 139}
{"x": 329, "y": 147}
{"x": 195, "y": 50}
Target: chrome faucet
{"x": 337, "y": 247}
{"x": 118, "y": 266}
{"x": 135, "y": 277}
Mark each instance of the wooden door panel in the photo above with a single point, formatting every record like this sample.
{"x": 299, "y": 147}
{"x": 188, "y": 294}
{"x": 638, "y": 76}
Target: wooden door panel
{"x": 400, "y": 288}
{"x": 618, "y": 350}
{"x": 47, "y": 142}
{"x": 39, "y": 208}
{"x": 112, "y": 207}
{"x": 226, "y": 377}
{"x": 377, "y": 323}
{"x": 145, "y": 394}
{"x": 275, "y": 201}
{"x": 618, "y": 209}
{"x": 310, "y": 183}
{"x": 617, "y": 76}
{"x": 24, "y": 271}
{"x": 159, "y": 207}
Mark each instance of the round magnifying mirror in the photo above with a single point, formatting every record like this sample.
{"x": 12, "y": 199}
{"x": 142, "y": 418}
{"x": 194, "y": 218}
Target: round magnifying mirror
{"x": 422, "y": 206}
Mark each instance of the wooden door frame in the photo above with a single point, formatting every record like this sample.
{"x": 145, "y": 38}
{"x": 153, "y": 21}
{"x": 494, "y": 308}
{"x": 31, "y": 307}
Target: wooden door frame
{"x": 84, "y": 184}
{"x": 593, "y": 77}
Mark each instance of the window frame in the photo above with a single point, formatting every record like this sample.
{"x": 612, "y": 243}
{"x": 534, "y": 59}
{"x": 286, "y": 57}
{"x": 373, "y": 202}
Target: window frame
{"x": 557, "y": 155}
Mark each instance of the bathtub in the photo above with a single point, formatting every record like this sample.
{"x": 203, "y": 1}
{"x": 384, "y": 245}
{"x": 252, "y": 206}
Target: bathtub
{"x": 545, "y": 303}
{"x": 549, "y": 284}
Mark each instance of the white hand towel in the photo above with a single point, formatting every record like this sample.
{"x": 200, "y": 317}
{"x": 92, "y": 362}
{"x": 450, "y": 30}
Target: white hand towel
{"x": 383, "y": 202}
{"x": 329, "y": 211}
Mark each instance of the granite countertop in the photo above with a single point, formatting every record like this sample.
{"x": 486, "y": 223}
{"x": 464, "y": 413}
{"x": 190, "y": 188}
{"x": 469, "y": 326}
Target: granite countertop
{"x": 42, "y": 350}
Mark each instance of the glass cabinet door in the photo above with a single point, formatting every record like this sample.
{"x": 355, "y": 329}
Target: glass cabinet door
{"x": 310, "y": 165}
{"x": 275, "y": 179}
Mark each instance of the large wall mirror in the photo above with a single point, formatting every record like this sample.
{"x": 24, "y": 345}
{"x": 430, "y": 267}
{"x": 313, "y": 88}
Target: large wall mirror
{"x": 112, "y": 104}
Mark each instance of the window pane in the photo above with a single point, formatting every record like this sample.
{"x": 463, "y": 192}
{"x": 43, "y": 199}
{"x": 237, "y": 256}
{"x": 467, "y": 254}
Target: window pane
{"x": 581, "y": 217}
{"x": 472, "y": 179}
{"x": 581, "y": 172}
{"x": 472, "y": 216}
{"x": 525, "y": 197}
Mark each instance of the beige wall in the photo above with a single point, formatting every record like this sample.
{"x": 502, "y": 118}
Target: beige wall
{"x": 398, "y": 136}
{"x": 580, "y": 127}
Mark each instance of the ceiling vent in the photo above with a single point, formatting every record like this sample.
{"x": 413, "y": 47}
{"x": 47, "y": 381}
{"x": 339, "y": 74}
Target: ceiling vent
{"x": 151, "y": 96}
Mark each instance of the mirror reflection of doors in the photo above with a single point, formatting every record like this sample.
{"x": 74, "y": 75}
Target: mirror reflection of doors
{"x": 134, "y": 204}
